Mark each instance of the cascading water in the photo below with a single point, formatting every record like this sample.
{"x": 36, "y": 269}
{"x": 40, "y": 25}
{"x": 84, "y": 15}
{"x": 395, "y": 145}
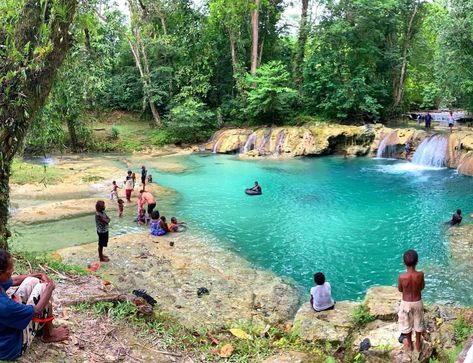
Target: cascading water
{"x": 279, "y": 141}
{"x": 264, "y": 143}
{"x": 250, "y": 143}
{"x": 432, "y": 152}
{"x": 388, "y": 146}
{"x": 214, "y": 149}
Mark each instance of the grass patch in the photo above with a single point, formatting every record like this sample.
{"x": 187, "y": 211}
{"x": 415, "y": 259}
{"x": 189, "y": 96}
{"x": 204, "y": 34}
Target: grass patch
{"x": 462, "y": 329}
{"x": 26, "y": 173}
{"x": 92, "y": 178}
{"x": 173, "y": 336}
{"x": 23, "y": 261}
{"x": 361, "y": 316}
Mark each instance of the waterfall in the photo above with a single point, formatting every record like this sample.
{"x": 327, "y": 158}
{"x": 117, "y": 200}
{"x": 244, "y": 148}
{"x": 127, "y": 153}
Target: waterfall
{"x": 432, "y": 152}
{"x": 279, "y": 141}
{"x": 266, "y": 138}
{"x": 214, "y": 149}
{"x": 388, "y": 146}
{"x": 250, "y": 143}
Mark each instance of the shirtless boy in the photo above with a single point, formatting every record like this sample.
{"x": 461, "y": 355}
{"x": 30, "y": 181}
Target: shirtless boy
{"x": 411, "y": 311}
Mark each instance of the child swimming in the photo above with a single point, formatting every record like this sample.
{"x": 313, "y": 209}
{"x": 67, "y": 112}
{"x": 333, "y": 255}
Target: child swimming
{"x": 141, "y": 219}
{"x": 176, "y": 226}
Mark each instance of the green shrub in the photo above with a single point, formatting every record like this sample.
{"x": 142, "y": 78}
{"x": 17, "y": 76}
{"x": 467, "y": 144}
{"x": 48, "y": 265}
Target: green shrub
{"x": 462, "y": 329}
{"x": 26, "y": 173}
{"x": 190, "y": 122}
{"x": 361, "y": 316}
{"x": 115, "y": 133}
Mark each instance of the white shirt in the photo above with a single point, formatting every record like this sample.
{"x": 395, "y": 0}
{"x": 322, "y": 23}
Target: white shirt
{"x": 322, "y": 296}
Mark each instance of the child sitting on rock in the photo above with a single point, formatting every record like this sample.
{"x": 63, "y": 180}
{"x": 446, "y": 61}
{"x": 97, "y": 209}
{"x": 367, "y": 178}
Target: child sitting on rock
{"x": 321, "y": 294}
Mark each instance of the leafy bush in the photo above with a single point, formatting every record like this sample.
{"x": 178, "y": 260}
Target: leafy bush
{"x": 190, "y": 122}
{"x": 361, "y": 316}
{"x": 269, "y": 97}
{"x": 115, "y": 133}
{"x": 462, "y": 330}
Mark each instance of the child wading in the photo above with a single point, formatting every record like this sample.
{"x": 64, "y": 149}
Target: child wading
{"x": 101, "y": 222}
{"x": 121, "y": 204}
{"x": 411, "y": 310}
{"x": 114, "y": 192}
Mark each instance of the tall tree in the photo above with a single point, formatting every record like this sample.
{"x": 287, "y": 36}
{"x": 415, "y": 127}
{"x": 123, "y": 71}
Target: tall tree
{"x": 33, "y": 45}
{"x": 255, "y": 34}
{"x": 140, "y": 55}
{"x": 301, "y": 42}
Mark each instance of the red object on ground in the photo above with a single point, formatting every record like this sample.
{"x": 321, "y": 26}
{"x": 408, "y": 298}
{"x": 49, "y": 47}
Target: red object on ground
{"x": 94, "y": 266}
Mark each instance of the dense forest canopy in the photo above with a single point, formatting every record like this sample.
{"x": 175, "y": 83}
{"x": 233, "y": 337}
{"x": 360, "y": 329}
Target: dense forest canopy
{"x": 189, "y": 67}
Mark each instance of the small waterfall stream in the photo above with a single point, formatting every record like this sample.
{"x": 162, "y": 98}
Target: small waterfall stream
{"x": 264, "y": 143}
{"x": 279, "y": 141}
{"x": 432, "y": 152}
{"x": 250, "y": 143}
{"x": 388, "y": 146}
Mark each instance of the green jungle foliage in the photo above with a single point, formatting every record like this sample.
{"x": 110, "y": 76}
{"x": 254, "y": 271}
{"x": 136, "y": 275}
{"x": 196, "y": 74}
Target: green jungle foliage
{"x": 185, "y": 68}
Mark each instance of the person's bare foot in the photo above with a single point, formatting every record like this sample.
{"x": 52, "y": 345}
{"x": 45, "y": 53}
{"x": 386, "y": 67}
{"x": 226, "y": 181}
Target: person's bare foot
{"x": 104, "y": 259}
{"x": 56, "y": 335}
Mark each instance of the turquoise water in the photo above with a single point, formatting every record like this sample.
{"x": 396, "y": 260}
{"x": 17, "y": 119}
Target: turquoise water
{"x": 351, "y": 219}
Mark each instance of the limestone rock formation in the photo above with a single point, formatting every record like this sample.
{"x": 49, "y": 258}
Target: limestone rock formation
{"x": 332, "y": 326}
{"x": 293, "y": 141}
{"x": 383, "y": 302}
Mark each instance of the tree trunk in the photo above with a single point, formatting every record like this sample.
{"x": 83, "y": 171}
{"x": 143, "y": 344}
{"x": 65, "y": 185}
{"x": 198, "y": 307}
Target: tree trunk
{"x": 28, "y": 87}
{"x": 399, "y": 85}
{"x": 255, "y": 33}
{"x": 301, "y": 42}
{"x": 139, "y": 54}
{"x": 72, "y": 134}
{"x": 233, "y": 52}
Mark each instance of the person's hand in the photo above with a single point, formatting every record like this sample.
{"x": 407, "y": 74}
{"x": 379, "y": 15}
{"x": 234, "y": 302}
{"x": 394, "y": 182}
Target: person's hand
{"x": 44, "y": 278}
{"x": 51, "y": 285}
{"x": 16, "y": 298}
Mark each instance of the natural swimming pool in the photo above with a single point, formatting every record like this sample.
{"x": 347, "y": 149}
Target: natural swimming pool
{"x": 351, "y": 219}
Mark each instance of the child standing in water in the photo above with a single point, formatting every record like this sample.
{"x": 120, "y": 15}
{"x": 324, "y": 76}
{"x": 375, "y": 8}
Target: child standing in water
{"x": 101, "y": 222}
{"x": 411, "y": 310}
{"x": 121, "y": 204}
{"x": 321, "y": 295}
{"x": 114, "y": 192}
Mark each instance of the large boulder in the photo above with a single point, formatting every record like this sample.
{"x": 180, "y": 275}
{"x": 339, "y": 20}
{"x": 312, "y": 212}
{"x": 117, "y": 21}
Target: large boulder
{"x": 383, "y": 335}
{"x": 382, "y": 302}
{"x": 332, "y": 326}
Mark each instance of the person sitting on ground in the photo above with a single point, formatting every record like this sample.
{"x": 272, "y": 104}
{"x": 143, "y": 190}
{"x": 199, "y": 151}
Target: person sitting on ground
{"x": 157, "y": 228}
{"x": 141, "y": 218}
{"x": 27, "y": 312}
{"x": 147, "y": 198}
{"x": 456, "y": 218}
{"x": 256, "y": 187}
{"x": 163, "y": 224}
{"x": 411, "y": 310}
{"x": 321, "y": 295}
{"x": 176, "y": 226}
{"x": 150, "y": 179}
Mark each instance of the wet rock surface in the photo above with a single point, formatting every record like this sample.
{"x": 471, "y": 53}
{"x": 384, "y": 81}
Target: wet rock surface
{"x": 172, "y": 275}
{"x": 333, "y": 326}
